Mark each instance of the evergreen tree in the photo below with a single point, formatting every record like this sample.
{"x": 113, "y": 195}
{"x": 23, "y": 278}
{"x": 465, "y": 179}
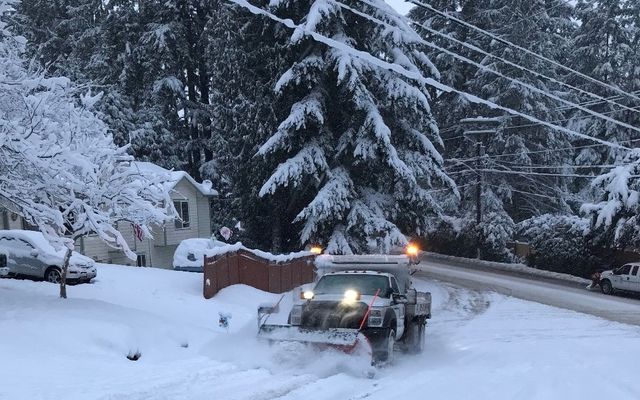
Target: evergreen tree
{"x": 245, "y": 56}
{"x": 605, "y": 48}
{"x": 542, "y": 26}
{"x": 356, "y": 152}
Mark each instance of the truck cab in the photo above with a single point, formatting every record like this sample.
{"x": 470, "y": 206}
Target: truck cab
{"x": 341, "y": 300}
{"x": 625, "y": 278}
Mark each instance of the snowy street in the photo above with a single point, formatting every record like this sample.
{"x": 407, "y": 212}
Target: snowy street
{"x": 480, "y": 344}
{"x": 557, "y": 294}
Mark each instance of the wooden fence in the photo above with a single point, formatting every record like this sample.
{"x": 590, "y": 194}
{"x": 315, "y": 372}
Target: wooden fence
{"x": 247, "y": 268}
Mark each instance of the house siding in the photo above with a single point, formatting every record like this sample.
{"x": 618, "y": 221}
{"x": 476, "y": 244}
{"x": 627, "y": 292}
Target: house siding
{"x": 184, "y": 191}
{"x": 204, "y": 216}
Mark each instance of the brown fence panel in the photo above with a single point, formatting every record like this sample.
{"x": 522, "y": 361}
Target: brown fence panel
{"x": 234, "y": 274}
{"x": 285, "y": 277}
{"x": 210, "y": 281}
{"x": 296, "y": 274}
{"x": 222, "y": 271}
{"x": 252, "y": 271}
{"x": 274, "y": 278}
{"x": 308, "y": 271}
{"x": 247, "y": 268}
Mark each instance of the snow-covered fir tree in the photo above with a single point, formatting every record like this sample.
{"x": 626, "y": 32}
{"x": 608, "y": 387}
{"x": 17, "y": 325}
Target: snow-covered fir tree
{"x": 516, "y": 145}
{"x": 357, "y": 150}
{"x": 605, "y": 48}
{"x": 245, "y": 56}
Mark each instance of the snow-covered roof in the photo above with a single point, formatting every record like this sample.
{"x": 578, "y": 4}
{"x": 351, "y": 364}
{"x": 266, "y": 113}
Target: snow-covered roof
{"x": 173, "y": 177}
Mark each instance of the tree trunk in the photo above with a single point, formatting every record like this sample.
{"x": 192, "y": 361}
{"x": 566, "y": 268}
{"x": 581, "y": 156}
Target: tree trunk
{"x": 276, "y": 234}
{"x": 63, "y": 274}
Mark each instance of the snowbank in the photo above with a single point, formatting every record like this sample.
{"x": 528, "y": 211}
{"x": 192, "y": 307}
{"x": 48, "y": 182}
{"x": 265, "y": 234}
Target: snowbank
{"x": 518, "y": 268}
{"x": 191, "y": 252}
{"x": 501, "y": 348}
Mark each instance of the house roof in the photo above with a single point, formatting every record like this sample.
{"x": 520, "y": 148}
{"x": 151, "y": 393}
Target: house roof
{"x": 173, "y": 177}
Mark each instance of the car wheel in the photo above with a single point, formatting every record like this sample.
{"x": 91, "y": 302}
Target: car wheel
{"x": 606, "y": 287}
{"x": 53, "y": 275}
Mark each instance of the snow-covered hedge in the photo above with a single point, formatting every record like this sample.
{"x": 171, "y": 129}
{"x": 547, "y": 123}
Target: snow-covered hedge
{"x": 560, "y": 244}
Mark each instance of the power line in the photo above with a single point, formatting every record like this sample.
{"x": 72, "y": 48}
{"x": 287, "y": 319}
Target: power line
{"x": 513, "y": 64}
{"x": 542, "y": 151}
{"x": 546, "y": 10}
{"x": 530, "y": 52}
{"x": 507, "y": 128}
{"x": 413, "y": 75}
{"x": 484, "y": 67}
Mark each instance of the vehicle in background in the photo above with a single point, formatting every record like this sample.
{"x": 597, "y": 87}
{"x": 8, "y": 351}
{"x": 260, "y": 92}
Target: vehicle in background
{"x": 4, "y": 270}
{"x": 189, "y": 255}
{"x": 625, "y": 278}
{"x": 28, "y": 254}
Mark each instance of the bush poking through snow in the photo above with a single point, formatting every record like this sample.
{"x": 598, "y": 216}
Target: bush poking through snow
{"x": 134, "y": 356}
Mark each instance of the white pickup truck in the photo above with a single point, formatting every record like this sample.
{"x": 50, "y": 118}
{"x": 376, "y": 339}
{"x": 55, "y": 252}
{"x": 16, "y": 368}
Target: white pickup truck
{"x": 625, "y": 278}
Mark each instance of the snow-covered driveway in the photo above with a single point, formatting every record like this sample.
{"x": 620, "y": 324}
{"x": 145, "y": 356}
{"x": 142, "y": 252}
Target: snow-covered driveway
{"x": 480, "y": 345}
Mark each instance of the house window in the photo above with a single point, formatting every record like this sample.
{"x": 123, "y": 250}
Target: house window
{"x": 141, "y": 260}
{"x": 182, "y": 207}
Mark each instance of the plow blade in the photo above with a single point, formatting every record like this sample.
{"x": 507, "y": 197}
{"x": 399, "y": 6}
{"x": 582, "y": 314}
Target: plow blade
{"x": 334, "y": 337}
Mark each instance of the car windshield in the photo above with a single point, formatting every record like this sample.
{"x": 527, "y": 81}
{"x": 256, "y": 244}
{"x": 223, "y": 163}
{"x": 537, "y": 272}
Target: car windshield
{"x": 363, "y": 284}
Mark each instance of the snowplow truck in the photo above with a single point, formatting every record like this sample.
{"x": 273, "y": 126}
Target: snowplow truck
{"x": 358, "y": 301}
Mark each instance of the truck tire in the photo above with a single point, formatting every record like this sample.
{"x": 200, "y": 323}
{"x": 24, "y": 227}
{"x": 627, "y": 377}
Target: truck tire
{"x": 418, "y": 344}
{"x": 416, "y": 339}
{"x": 606, "y": 287}
{"x": 390, "y": 343}
{"x": 383, "y": 348}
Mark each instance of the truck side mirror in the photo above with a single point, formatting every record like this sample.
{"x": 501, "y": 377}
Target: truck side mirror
{"x": 399, "y": 298}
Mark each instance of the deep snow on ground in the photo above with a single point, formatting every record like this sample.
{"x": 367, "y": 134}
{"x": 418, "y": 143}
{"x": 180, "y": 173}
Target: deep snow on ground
{"x": 480, "y": 345}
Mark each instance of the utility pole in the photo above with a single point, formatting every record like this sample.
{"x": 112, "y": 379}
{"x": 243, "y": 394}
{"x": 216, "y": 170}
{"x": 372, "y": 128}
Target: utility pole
{"x": 477, "y": 131}
{"x": 480, "y": 149}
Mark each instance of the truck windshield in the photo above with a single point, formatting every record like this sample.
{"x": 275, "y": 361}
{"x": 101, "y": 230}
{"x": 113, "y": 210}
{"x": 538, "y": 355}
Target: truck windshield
{"x": 363, "y": 284}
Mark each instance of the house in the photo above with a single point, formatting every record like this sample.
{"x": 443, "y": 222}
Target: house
{"x": 192, "y": 202}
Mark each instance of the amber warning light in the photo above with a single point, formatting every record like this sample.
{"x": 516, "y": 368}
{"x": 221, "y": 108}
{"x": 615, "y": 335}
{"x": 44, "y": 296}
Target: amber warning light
{"x": 412, "y": 250}
{"x": 316, "y": 250}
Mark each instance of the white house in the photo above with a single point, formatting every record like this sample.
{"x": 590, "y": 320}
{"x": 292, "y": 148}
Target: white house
{"x": 190, "y": 198}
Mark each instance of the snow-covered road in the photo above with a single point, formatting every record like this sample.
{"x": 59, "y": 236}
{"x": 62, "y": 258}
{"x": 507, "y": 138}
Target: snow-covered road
{"x": 480, "y": 345}
{"x": 557, "y": 294}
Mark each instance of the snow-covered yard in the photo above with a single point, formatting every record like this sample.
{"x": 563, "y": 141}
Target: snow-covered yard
{"x": 480, "y": 345}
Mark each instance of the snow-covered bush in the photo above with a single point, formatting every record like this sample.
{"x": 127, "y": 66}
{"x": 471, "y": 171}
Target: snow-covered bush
{"x": 615, "y": 221}
{"x": 60, "y": 167}
{"x": 460, "y": 235}
{"x": 560, "y": 243}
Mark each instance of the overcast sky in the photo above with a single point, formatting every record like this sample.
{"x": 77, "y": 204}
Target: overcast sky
{"x": 400, "y": 5}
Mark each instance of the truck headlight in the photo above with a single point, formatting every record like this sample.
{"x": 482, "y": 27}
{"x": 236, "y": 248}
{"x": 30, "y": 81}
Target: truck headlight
{"x": 375, "y": 317}
{"x": 295, "y": 318}
{"x": 351, "y": 296}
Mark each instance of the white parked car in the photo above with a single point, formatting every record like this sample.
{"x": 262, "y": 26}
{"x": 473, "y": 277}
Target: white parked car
{"x": 625, "y": 278}
{"x": 29, "y": 254}
{"x": 189, "y": 255}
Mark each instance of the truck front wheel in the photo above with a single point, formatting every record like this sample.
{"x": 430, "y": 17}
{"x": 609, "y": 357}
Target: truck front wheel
{"x": 383, "y": 351}
{"x": 606, "y": 287}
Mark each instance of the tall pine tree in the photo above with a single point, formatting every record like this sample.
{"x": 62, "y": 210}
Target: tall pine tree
{"x": 357, "y": 149}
